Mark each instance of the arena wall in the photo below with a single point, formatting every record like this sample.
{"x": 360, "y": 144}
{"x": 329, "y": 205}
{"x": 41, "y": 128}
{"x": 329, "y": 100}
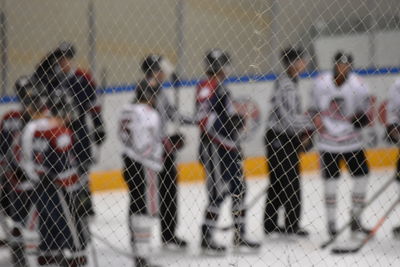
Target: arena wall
{"x": 106, "y": 172}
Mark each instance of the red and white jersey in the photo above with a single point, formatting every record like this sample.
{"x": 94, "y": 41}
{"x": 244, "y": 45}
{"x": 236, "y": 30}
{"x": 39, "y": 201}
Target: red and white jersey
{"x": 140, "y": 133}
{"x": 10, "y": 127}
{"x": 337, "y": 107}
{"x": 393, "y": 104}
{"x": 204, "y": 91}
{"x": 47, "y": 153}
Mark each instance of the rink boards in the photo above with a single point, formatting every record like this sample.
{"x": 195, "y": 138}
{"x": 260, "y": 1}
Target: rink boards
{"x": 253, "y": 167}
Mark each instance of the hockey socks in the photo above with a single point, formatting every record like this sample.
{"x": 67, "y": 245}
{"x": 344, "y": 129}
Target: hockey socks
{"x": 358, "y": 195}
{"x": 330, "y": 187}
{"x": 207, "y": 231}
{"x": 141, "y": 227}
{"x": 358, "y": 199}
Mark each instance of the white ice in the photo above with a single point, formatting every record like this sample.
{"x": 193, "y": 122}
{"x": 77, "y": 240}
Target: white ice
{"x": 383, "y": 250}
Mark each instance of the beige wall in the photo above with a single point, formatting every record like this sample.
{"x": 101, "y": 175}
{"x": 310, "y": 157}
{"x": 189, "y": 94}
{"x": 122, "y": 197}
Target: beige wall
{"x": 129, "y": 29}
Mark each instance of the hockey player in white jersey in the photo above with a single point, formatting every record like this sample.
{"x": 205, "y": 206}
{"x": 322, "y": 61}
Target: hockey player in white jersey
{"x": 140, "y": 134}
{"x": 393, "y": 129}
{"x": 340, "y": 106}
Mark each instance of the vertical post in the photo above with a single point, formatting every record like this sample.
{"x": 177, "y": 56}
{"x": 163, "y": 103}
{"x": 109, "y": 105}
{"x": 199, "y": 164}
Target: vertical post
{"x": 179, "y": 10}
{"x": 371, "y": 34}
{"x": 92, "y": 37}
{"x": 274, "y": 58}
{"x": 4, "y": 52}
{"x": 180, "y": 27}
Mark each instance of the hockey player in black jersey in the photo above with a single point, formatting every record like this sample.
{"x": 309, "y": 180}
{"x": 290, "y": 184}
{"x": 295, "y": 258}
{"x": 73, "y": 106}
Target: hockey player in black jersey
{"x": 48, "y": 161}
{"x": 56, "y": 72}
{"x": 221, "y": 153}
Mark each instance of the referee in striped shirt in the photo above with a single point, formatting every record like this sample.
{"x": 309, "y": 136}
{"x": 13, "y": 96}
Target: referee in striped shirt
{"x": 286, "y": 136}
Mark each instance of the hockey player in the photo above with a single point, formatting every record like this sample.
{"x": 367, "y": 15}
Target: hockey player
{"x": 19, "y": 191}
{"x": 286, "y": 136}
{"x": 157, "y": 69}
{"x": 49, "y": 163}
{"x": 340, "y": 106}
{"x": 140, "y": 134}
{"x": 56, "y": 72}
{"x": 393, "y": 129}
{"x": 11, "y": 125}
{"x": 220, "y": 152}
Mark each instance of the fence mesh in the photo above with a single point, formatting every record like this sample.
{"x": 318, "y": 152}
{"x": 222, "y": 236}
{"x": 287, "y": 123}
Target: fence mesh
{"x": 199, "y": 133}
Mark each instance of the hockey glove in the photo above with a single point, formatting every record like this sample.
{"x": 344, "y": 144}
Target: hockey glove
{"x": 235, "y": 123}
{"x": 99, "y": 135}
{"x": 177, "y": 141}
{"x": 360, "y": 120}
{"x": 393, "y": 133}
{"x": 173, "y": 143}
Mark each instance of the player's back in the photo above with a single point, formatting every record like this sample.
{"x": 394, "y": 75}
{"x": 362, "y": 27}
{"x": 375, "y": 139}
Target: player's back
{"x": 47, "y": 152}
{"x": 140, "y": 133}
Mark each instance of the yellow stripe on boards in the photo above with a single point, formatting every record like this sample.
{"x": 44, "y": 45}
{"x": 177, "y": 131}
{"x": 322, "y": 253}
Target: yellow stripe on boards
{"x": 253, "y": 167}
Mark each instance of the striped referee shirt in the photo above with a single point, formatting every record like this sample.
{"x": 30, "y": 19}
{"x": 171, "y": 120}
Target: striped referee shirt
{"x": 286, "y": 113}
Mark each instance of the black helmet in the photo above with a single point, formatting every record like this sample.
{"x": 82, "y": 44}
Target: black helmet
{"x": 290, "y": 55}
{"x": 151, "y": 64}
{"x": 65, "y": 49}
{"x": 215, "y": 60}
{"x": 29, "y": 93}
{"x": 341, "y": 57}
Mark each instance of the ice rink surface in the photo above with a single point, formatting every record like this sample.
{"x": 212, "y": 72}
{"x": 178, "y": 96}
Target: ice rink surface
{"x": 111, "y": 225}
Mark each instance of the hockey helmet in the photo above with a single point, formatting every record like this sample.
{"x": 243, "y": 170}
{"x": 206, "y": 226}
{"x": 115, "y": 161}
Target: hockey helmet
{"x": 154, "y": 63}
{"x": 29, "y": 93}
{"x": 290, "y": 55}
{"x": 341, "y": 57}
{"x": 65, "y": 49}
{"x": 216, "y": 60}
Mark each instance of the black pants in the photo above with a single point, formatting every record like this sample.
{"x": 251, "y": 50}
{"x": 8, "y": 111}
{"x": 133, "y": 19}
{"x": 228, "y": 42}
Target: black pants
{"x": 60, "y": 226}
{"x": 134, "y": 177}
{"x": 356, "y": 163}
{"x": 398, "y": 168}
{"x": 168, "y": 197}
{"x": 285, "y": 188}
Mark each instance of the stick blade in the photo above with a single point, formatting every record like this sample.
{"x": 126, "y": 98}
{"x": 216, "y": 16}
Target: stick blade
{"x": 324, "y": 245}
{"x": 343, "y": 250}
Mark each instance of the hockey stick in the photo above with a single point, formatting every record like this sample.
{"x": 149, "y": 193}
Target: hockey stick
{"x": 92, "y": 248}
{"x": 248, "y": 206}
{"x": 176, "y": 84}
{"x": 4, "y": 226}
{"x": 371, "y": 234}
{"x": 371, "y": 200}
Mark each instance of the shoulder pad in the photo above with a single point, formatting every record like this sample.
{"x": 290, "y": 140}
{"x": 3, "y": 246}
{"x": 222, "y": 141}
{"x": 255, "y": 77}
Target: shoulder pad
{"x": 86, "y": 75}
{"x": 14, "y": 114}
